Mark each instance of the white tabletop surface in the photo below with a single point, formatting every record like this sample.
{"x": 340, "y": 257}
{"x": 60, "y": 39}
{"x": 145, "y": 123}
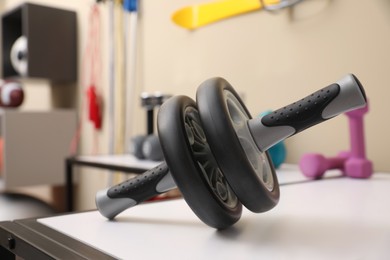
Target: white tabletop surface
{"x": 119, "y": 160}
{"x": 335, "y": 218}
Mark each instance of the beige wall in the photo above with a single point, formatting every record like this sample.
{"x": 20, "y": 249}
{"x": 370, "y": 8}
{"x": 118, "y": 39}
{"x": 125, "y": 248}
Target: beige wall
{"x": 272, "y": 59}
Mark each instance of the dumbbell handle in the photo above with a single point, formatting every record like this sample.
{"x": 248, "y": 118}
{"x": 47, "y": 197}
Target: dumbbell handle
{"x": 344, "y": 95}
{"x": 356, "y": 129}
{"x": 112, "y": 201}
{"x": 314, "y": 165}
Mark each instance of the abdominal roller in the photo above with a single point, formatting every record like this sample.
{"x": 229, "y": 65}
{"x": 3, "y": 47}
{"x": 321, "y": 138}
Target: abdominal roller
{"x": 216, "y": 154}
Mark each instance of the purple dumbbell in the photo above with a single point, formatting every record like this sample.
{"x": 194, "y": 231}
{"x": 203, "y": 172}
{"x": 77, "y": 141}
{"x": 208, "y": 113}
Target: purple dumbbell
{"x": 352, "y": 163}
{"x": 314, "y": 165}
{"x": 357, "y": 165}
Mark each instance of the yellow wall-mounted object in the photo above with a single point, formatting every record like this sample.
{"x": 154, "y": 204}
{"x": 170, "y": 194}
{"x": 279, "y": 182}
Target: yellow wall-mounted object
{"x": 192, "y": 17}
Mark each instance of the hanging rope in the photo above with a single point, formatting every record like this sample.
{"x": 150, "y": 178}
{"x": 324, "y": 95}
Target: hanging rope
{"x": 91, "y": 81}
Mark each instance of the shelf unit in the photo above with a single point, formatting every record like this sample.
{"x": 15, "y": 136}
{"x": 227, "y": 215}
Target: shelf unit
{"x": 51, "y": 41}
{"x": 35, "y": 146}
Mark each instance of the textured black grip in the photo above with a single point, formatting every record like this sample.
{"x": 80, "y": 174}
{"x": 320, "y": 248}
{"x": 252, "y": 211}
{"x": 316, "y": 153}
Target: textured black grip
{"x": 142, "y": 187}
{"x": 305, "y": 112}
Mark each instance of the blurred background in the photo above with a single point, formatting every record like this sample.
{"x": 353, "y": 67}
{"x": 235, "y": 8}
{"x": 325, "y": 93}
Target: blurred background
{"x": 270, "y": 58}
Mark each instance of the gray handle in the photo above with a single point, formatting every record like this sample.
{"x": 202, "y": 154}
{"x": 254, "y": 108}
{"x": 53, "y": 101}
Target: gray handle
{"x": 344, "y": 95}
{"x": 112, "y": 201}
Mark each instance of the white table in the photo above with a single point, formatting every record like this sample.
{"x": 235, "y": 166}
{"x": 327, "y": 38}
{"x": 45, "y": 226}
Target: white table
{"x": 335, "y": 218}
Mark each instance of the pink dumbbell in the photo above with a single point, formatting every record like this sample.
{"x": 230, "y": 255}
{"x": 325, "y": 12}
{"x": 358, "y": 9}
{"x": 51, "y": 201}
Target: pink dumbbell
{"x": 314, "y": 165}
{"x": 357, "y": 165}
{"x": 352, "y": 163}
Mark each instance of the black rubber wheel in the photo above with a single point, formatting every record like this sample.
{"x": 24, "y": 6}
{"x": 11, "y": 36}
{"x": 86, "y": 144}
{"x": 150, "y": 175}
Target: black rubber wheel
{"x": 249, "y": 172}
{"x": 193, "y": 166}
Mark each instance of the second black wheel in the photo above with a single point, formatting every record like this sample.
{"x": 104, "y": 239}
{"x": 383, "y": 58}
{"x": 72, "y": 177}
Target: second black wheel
{"x": 249, "y": 171}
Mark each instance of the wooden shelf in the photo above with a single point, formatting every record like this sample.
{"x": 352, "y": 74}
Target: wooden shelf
{"x": 51, "y": 41}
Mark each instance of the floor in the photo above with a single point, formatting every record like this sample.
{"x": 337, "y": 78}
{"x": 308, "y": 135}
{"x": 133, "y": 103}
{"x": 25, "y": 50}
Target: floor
{"x": 18, "y": 206}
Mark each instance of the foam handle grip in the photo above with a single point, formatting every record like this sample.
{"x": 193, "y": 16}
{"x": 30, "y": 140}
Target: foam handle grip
{"x": 112, "y": 201}
{"x": 345, "y": 95}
